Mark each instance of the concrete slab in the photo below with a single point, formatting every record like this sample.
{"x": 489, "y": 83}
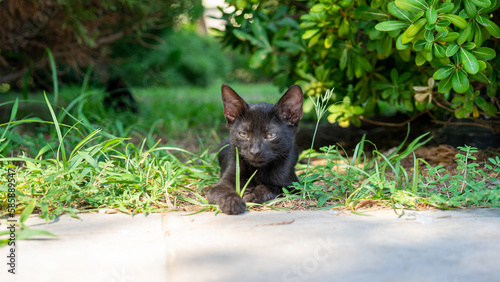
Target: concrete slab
{"x": 99, "y": 247}
{"x": 264, "y": 246}
{"x": 325, "y": 246}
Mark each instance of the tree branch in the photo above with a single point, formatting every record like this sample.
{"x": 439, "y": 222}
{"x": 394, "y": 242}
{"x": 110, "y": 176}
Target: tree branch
{"x": 394, "y": 124}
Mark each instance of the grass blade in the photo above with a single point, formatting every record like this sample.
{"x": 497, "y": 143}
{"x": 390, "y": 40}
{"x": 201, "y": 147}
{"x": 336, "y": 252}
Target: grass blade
{"x": 59, "y": 135}
{"x": 246, "y": 184}
{"x": 54, "y": 75}
{"x": 12, "y": 117}
{"x": 414, "y": 145}
{"x": 28, "y": 233}
{"x": 27, "y": 211}
{"x": 83, "y": 142}
{"x": 237, "y": 180}
{"x": 416, "y": 173}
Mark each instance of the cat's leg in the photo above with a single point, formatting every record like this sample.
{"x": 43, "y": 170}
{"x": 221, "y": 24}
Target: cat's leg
{"x": 259, "y": 194}
{"x": 228, "y": 200}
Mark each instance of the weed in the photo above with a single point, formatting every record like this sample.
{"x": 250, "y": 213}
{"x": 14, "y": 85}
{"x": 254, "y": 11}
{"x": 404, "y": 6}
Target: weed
{"x": 360, "y": 178}
{"x": 469, "y": 187}
{"x": 320, "y": 106}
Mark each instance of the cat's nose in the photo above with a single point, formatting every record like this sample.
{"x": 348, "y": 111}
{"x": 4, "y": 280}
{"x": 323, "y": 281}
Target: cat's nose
{"x": 255, "y": 150}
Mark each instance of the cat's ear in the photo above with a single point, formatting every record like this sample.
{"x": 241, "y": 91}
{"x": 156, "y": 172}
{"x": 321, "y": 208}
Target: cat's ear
{"x": 234, "y": 105}
{"x": 289, "y": 107}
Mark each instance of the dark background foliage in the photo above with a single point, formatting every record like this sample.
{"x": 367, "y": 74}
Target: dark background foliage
{"x": 79, "y": 33}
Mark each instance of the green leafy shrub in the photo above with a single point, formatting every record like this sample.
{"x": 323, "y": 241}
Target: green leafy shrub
{"x": 181, "y": 58}
{"x": 411, "y": 55}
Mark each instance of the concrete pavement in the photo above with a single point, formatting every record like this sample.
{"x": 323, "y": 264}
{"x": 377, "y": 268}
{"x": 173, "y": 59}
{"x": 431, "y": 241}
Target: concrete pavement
{"x": 434, "y": 245}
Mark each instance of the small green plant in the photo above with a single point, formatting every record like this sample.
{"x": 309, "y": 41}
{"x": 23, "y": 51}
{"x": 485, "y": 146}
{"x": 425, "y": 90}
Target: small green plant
{"x": 348, "y": 180}
{"x": 379, "y": 177}
{"x": 351, "y": 179}
{"x": 469, "y": 186}
{"x": 320, "y": 106}
{"x": 343, "y": 180}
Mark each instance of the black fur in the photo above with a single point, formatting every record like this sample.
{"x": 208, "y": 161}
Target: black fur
{"x": 264, "y": 135}
{"x": 119, "y": 98}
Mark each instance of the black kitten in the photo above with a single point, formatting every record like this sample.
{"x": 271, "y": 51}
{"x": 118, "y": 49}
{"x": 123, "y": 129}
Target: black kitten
{"x": 264, "y": 135}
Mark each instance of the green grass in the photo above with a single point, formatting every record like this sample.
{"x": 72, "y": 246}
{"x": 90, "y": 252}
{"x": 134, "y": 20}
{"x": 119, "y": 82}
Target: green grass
{"x": 77, "y": 157}
{"x": 72, "y": 174}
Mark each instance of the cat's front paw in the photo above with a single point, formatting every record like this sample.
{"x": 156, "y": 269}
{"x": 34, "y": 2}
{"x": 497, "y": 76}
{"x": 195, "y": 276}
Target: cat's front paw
{"x": 232, "y": 205}
{"x": 250, "y": 198}
{"x": 258, "y": 194}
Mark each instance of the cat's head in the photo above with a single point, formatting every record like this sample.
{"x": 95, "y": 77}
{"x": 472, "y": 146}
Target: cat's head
{"x": 263, "y": 132}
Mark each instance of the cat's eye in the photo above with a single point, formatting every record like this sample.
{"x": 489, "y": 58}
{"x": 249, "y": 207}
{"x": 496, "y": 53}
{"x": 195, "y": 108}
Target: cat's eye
{"x": 270, "y": 136}
{"x": 243, "y": 135}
